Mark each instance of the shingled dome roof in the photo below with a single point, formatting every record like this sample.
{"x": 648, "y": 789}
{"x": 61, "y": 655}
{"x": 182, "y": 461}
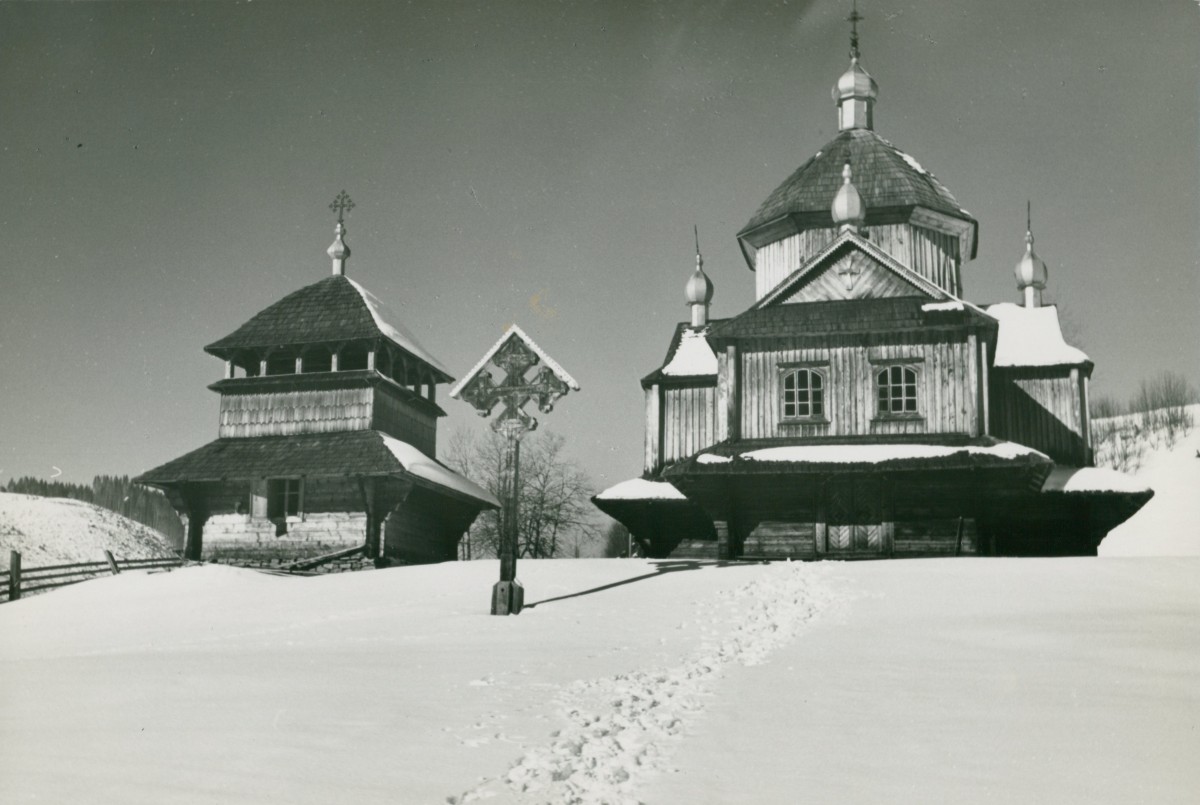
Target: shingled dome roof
{"x": 885, "y": 177}
{"x": 336, "y": 309}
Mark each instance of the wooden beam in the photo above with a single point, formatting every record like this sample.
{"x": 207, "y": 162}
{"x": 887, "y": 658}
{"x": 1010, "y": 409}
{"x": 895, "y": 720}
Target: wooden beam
{"x": 653, "y": 440}
{"x": 228, "y": 369}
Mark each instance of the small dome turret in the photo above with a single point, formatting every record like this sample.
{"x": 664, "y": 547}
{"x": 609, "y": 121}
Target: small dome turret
{"x": 338, "y": 251}
{"x": 1030, "y": 270}
{"x": 855, "y": 83}
{"x": 848, "y": 209}
{"x": 855, "y": 92}
{"x": 699, "y": 290}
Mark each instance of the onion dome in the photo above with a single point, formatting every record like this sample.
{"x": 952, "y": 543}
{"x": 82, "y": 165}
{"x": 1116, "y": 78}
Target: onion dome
{"x": 855, "y": 94}
{"x": 847, "y": 210}
{"x": 338, "y": 250}
{"x": 1031, "y": 274}
{"x": 699, "y": 290}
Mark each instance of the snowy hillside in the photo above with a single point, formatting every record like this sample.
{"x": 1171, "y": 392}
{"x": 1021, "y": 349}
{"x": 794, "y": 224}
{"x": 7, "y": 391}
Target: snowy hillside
{"x": 50, "y": 531}
{"x": 958, "y": 680}
{"x": 1169, "y": 525}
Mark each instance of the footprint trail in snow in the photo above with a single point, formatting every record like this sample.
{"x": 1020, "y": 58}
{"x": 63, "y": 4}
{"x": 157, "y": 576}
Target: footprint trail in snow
{"x": 621, "y": 729}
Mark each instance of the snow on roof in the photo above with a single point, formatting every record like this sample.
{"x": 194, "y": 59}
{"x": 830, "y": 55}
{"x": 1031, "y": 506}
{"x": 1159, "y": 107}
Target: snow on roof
{"x": 1092, "y": 479}
{"x": 422, "y": 466}
{"x": 935, "y": 306}
{"x": 878, "y": 453}
{"x": 912, "y": 163}
{"x": 385, "y": 320}
{"x": 1032, "y": 336}
{"x": 693, "y": 356}
{"x": 713, "y": 458}
{"x": 641, "y": 489}
{"x": 487, "y": 356}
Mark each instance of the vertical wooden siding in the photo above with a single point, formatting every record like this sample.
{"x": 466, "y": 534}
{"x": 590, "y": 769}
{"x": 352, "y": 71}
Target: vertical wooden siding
{"x": 689, "y": 421}
{"x": 947, "y": 387}
{"x": 934, "y": 255}
{"x": 1040, "y": 408}
{"x": 397, "y": 417}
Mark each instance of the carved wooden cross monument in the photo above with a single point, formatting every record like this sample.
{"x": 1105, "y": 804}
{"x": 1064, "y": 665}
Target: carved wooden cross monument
{"x": 515, "y": 354}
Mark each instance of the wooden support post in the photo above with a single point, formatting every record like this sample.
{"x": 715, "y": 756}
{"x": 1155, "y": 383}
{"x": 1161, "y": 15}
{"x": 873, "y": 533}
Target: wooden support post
{"x": 14, "y": 575}
{"x": 112, "y": 563}
{"x": 228, "y": 369}
{"x": 986, "y": 388}
{"x": 333, "y": 361}
{"x": 958, "y": 538}
{"x": 299, "y": 364}
{"x": 371, "y": 360}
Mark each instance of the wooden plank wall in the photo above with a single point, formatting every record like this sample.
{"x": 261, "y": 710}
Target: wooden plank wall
{"x": 397, "y": 417}
{"x": 290, "y": 412}
{"x": 948, "y": 385}
{"x": 689, "y": 421}
{"x": 932, "y": 254}
{"x": 1041, "y": 408}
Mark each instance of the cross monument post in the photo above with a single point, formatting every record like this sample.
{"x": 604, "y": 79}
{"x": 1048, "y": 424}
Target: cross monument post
{"x": 515, "y": 354}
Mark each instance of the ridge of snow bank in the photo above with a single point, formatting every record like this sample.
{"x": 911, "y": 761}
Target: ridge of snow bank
{"x": 620, "y": 729}
{"x": 50, "y": 531}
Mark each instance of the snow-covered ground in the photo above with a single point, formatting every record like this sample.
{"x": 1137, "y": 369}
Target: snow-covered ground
{"x": 947, "y": 680}
{"x": 1169, "y": 525}
{"x": 48, "y": 531}
{"x": 957, "y": 680}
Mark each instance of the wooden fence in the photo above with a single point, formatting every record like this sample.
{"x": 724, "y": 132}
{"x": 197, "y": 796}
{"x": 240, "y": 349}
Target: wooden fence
{"x": 21, "y": 581}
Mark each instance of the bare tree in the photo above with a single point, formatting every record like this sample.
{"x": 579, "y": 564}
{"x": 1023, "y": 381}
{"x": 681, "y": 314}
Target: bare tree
{"x": 617, "y": 541}
{"x": 555, "y": 515}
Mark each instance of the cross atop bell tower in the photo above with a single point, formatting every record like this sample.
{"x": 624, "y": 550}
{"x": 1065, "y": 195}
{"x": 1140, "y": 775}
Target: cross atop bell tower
{"x": 853, "y": 19}
{"x": 338, "y": 251}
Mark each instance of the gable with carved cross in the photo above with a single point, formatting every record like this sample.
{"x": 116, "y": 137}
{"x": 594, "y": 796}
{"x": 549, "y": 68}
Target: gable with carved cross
{"x": 851, "y": 268}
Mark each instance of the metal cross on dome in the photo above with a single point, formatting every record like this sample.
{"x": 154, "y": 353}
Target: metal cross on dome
{"x": 342, "y": 205}
{"x": 516, "y": 355}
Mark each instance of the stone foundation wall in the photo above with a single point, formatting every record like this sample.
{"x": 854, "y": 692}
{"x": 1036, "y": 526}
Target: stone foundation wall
{"x": 243, "y": 539}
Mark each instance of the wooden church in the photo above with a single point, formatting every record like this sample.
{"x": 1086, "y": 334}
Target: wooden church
{"x": 861, "y": 407}
{"x": 327, "y": 438}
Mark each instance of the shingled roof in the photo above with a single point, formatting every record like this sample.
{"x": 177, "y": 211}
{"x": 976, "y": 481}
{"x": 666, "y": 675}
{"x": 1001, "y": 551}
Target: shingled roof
{"x": 345, "y": 453}
{"x": 335, "y": 309}
{"x": 885, "y": 177}
{"x": 844, "y": 317}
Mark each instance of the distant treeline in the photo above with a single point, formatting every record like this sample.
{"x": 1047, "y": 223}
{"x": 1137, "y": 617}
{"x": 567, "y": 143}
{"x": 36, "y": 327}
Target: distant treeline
{"x": 118, "y": 494}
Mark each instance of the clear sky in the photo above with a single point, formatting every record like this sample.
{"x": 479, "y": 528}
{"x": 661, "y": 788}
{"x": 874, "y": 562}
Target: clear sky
{"x": 166, "y": 170}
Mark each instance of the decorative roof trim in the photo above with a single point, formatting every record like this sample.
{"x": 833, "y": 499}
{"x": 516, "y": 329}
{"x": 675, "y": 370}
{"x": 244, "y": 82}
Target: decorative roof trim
{"x": 871, "y": 250}
{"x": 513, "y": 329}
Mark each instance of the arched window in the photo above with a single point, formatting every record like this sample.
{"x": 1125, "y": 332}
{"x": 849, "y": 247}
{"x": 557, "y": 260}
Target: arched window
{"x": 803, "y": 394}
{"x": 897, "y": 390}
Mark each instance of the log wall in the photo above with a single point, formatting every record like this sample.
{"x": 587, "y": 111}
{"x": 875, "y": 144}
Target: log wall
{"x": 932, "y": 254}
{"x": 948, "y": 385}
